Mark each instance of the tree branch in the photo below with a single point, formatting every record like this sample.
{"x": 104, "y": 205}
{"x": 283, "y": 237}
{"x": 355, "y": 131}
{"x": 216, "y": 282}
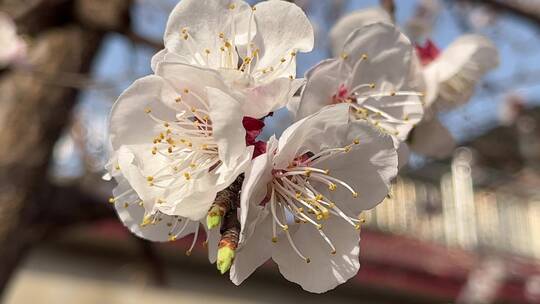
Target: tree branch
{"x": 522, "y": 9}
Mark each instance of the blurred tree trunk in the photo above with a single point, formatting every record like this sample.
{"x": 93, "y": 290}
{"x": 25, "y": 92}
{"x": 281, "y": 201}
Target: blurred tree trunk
{"x": 34, "y": 109}
{"x": 34, "y": 113}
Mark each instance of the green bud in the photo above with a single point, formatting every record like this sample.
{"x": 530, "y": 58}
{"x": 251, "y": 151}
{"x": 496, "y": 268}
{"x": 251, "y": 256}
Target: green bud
{"x": 225, "y": 257}
{"x": 213, "y": 221}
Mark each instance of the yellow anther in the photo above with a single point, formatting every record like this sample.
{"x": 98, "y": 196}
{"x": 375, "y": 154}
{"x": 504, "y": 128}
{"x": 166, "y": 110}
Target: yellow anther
{"x": 406, "y": 118}
{"x": 247, "y": 60}
{"x": 146, "y": 221}
{"x": 221, "y": 35}
{"x": 283, "y": 60}
{"x": 291, "y": 77}
{"x": 126, "y": 205}
{"x": 169, "y": 224}
{"x": 141, "y": 203}
{"x": 357, "y": 226}
{"x": 112, "y": 200}
{"x": 169, "y": 149}
{"x": 372, "y": 85}
{"x": 204, "y": 146}
{"x": 161, "y": 136}
{"x": 186, "y": 36}
{"x": 274, "y": 239}
{"x": 150, "y": 178}
{"x": 333, "y": 252}
{"x": 326, "y": 171}
{"x": 319, "y": 197}
{"x": 364, "y": 57}
{"x": 117, "y": 167}
{"x": 186, "y": 91}
{"x": 154, "y": 151}
{"x": 187, "y": 176}
{"x": 189, "y": 144}
{"x": 188, "y": 252}
{"x": 319, "y": 227}
{"x": 392, "y": 93}
{"x": 193, "y": 109}
{"x": 222, "y": 49}
{"x": 308, "y": 260}
{"x": 254, "y": 8}
{"x": 356, "y": 141}
{"x": 308, "y": 173}
{"x": 178, "y": 99}
{"x": 172, "y": 238}
{"x": 147, "y": 110}
{"x": 344, "y": 56}
{"x": 184, "y": 30}
{"x": 332, "y": 187}
{"x": 348, "y": 149}
{"x": 355, "y": 194}
{"x": 228, "y": 44}
{"x": 285, "y": 228}
{"x": 232, "y": 6}
{"x": 298, "y": 195}
{"x": 293, "y": 54}
{"x": 331, "y": 205}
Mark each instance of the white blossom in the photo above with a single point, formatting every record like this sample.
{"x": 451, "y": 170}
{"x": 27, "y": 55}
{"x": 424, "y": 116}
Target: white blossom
{"x": 253, "y": 48}
{"x": 450, "y": 81}
{"x": 177, "y": 139}
{"x": 372, "y": 75}
{"x": 301, "y": 201}
{"x": 13, "y": 47}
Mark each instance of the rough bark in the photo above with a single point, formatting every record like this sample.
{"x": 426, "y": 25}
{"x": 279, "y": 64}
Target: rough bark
{"x": 33, "y": 114}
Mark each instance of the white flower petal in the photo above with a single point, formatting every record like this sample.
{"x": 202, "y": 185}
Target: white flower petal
{"x": 254, "y": 189}
{"x": 323, "y": 82}
{"x": 311, "y": 133}
{"x": 269, "y": 97}
{"x": 254, "y": 253}
{"x": 195, "y": 79}
{"x": 282, "y": 28}
{"x": 368, "y": 168}
{"x": 132, "y": 217}
{"x": 194, "y": 26}
{"x": 228, "y": 132}
{"x": 355, "y": 20}
{"x": 379, "y": 54}
{"x": 145, "y": 93}
{"x": 325, "y": 271}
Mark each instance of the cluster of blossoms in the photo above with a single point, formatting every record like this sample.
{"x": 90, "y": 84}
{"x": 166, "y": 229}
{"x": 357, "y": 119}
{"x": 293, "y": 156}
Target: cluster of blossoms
{"x": 186, "y": 154}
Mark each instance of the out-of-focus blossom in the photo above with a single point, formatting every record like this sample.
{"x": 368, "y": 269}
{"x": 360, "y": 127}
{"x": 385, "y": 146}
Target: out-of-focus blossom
{"x": 422, "y": 22}
{"x": 452, "y": 77}
{"x": 13, "y": 47}
{"x": 301, "y": 200}
{"x": 253, "y": 48}
{"x": 371, "y": 76}
{"x": 177, "y": 139}
{"x": 448, "y": 77}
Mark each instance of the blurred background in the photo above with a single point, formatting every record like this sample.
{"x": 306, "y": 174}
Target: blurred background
{"x": 463, "y": 229}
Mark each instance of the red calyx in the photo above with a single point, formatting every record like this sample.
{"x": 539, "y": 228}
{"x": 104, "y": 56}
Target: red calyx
{"x": 427, "y": 52}
{"x": 253, "y": 129}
